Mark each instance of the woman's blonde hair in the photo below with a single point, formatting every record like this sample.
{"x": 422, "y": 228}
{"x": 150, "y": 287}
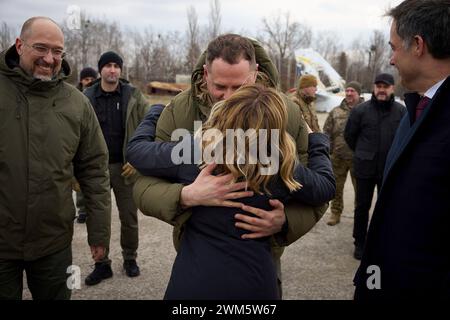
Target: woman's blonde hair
{"x": 253, "y": 107}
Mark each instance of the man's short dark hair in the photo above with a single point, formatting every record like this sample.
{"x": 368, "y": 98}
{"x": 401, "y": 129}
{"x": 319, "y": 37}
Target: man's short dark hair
{"x": 429, "y": 19}
{"x": 231, "y": 48}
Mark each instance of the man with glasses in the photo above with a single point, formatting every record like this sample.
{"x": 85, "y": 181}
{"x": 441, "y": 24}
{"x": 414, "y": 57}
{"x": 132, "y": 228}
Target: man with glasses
{"x": 48, "y": 134}
{"x": 229, "y": 62}
{"x": 42, "y": 50}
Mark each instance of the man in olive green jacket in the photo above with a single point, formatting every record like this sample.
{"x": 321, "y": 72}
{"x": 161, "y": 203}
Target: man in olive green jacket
{"x": 220, "y": 72}
{"x": 48, "y": 133}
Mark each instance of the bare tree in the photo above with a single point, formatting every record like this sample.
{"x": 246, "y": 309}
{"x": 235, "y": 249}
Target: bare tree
{"x": 378, "y": 52}
{"x": 86, "y": 39}
{"x": 155, "y": 56}
{"x": 215, "y": 19}
{"x": 327, "y": 43}
{"x": 140, "y": 60}
{"x": 283, "y": 36}
{"x": 159, "y": 56}
{"x": 369, "y": 57}
{"x": 85, "y": 45}
{"x": 6, "y": 36}
{"x": 193, "y": 31}
{"x": 357, "y": 62}
{"x": 342, "y": 65}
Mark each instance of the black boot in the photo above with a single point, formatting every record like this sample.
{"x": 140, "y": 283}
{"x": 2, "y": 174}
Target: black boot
{"x": 81, "y": 217}
{"x": 131, "y": 268}
{"x": 101, "y": 271}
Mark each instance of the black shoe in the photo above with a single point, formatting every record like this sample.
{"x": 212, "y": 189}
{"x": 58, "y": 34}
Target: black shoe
{"x": 131, "y": 268}
{"x": 358, "y": 253}
{"x": 101, "y": 271}
{"x": 81, "y": 217}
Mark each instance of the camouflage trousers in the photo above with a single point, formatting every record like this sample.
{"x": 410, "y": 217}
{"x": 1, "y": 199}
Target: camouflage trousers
{"x": 341, "y": 167}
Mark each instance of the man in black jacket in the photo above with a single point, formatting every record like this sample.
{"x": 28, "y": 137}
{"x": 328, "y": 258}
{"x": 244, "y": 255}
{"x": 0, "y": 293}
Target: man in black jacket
{"x": 369, "y": 133}
{"x": 120, "y": 108}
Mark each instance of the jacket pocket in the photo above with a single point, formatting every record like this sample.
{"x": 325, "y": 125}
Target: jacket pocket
{"x": 4, "y": 219}
{"x": 364, "y": 165}
{"x": 364, "y": 155}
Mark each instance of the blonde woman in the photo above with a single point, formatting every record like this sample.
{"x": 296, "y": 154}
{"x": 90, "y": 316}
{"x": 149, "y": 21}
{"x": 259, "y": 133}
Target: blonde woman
{"x": 214, "y": 261}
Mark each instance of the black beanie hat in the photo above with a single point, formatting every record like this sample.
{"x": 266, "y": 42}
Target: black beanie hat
{"x": 88, "y": 72}
{"x": 109, "y": 57}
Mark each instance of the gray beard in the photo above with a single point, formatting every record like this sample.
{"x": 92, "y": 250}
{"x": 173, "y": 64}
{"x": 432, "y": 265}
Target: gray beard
{"x": 43, "y": 78}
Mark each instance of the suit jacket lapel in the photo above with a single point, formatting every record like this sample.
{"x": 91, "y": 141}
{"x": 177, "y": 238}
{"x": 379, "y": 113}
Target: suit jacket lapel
{"x": 406, "y": 131}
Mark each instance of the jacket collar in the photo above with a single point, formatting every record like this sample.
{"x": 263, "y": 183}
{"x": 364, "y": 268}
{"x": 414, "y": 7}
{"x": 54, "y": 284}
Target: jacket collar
{"x": 406, "y": 131}
{"x": 385, "y": 105}
{"x": 96, "y": 86}
{"x": 412, "y": 99}
{"x": 100, "y": 92}
{"x": 344, "y": 104}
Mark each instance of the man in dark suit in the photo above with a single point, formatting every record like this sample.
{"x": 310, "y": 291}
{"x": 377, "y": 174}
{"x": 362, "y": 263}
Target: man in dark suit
{"x": 407, "y": 253}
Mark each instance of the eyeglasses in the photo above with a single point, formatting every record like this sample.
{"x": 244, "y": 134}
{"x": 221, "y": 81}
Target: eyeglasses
{"x": 42, "y": 50}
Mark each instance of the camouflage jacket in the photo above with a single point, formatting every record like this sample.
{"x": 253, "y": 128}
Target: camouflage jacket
{"x": 334, "y": 127}
{"x": 308, "y": 111}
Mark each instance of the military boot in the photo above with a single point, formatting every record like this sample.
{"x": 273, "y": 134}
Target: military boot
{"x": 335, "y": 218}
{"x": 101, "y": 271}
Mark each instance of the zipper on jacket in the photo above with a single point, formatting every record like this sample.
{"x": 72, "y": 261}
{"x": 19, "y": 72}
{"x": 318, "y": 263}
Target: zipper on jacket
{"x": 18, "y": 108}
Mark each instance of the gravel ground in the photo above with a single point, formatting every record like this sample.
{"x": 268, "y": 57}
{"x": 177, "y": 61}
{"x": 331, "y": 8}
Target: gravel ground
{"x": 318, "y": 266}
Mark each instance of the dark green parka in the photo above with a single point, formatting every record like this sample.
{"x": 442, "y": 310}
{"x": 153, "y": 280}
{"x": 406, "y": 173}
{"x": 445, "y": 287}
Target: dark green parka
{"x": 48, "y": 133}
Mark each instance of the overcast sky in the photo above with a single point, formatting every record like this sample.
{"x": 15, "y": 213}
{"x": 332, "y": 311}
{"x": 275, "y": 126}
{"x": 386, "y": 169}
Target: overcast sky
{"x": 348, "y": 18}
